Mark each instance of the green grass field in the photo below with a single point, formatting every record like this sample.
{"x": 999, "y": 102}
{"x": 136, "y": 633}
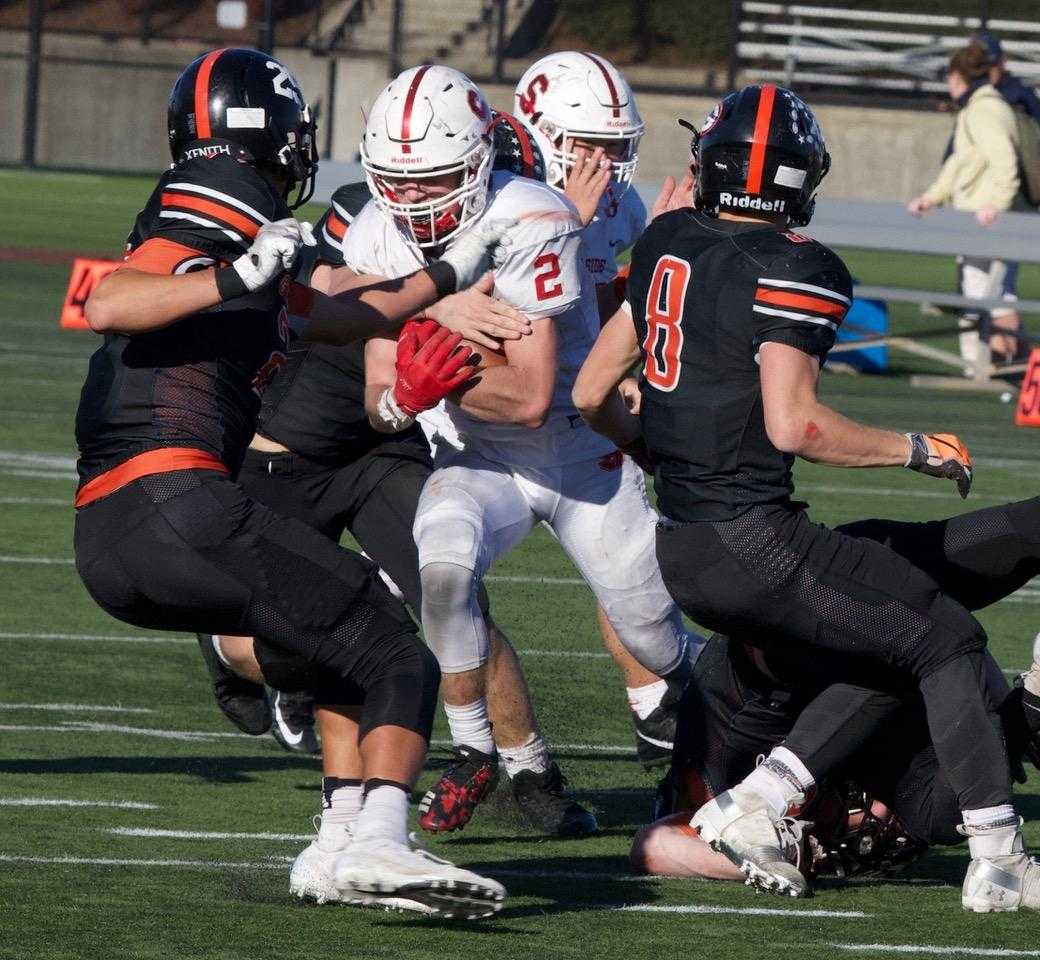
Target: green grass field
{"x": 94, "y": 712}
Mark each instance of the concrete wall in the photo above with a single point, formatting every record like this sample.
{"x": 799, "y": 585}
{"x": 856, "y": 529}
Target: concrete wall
{"x": 113, "y": 117}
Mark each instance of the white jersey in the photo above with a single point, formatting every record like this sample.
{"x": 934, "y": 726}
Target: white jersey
{"x": 616, "y": 226}
{"x": 537, "y": 271}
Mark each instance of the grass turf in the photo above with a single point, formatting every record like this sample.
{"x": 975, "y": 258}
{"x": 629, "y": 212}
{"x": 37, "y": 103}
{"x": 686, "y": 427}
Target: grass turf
{"x": 180, "y": 897}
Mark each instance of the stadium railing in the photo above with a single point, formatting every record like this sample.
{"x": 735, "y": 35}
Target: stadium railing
{"x": 875, "y": 50}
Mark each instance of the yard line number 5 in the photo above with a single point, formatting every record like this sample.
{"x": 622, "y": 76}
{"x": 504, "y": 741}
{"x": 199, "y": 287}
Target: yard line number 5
{"x": 664, "y": 310}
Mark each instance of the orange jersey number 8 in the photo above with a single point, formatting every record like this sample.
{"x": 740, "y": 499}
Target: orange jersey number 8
{"x": 664, "y": 310}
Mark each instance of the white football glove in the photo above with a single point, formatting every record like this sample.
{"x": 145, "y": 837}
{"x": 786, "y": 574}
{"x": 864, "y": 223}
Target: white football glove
{"x": 272, "y": 253}
{"x": 470, "y": 255}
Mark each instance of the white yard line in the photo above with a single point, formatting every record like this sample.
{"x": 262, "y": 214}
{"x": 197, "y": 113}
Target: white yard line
{"x": 120, "y": 862}
{"x": 696, "y": 908}
{"x": 74, "y": 727}
{"x": 47, "y": 561}
{"x": 892, "y": 492}
{"x": 75, "y": 707}
{"x": 206, "y": 834}
{"x": 39, "y": 474}
{"x": 35, "y": 502}
{"x": 57, "y": 802}
{"x": 935, "y": 951}
{"x": 11, "y": 458}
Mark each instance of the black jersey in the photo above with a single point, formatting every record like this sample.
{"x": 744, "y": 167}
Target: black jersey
{"x": 706, "y": 294}
{"x": 197, "y": 382}
{"x": 316, "y": 404}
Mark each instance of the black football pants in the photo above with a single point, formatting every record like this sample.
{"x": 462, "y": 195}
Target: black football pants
{"x": 772, "y": 578}
{"x": 190, "y": 551}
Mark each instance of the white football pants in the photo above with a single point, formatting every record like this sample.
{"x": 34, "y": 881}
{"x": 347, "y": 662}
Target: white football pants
{"x": 473, "y": 510}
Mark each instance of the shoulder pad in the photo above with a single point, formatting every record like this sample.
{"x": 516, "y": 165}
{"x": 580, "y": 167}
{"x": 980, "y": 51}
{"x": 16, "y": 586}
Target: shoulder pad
{"x": 537, "y": 212}
{"x": 347, "y": 202}
{"x": 350, "y": 199}
{"x": 215, "y": 205}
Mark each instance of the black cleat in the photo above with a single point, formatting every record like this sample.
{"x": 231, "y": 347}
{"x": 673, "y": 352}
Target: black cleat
{"x": 548, "y": 807}
{"x": 293, "y": 725}
{"x": 243, "y": 702}
{"x": 655, "y": 736}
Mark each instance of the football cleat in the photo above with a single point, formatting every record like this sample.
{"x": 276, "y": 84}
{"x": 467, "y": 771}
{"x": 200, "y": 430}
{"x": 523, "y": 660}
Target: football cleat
{"x": 1001, "y": 877}
{"x": 450, "y": 803}
{"x": 243, "y": 702}
{"x": 402, "y": 877}
{"x": 293, "y": 725}
{"x": 737, "y": 823}
{"x": 313, "y": 874}
{"x": 548, "y": 807}
{"x": 655, "y": 736}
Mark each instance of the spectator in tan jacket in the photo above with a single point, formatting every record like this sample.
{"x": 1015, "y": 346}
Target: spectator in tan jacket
{"x": 981, "y": 175}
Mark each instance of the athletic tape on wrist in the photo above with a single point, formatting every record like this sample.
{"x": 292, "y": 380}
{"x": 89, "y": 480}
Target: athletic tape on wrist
{"x": 230, "y": 284}
{"x": 390, "y": 411}
{"x": 443, "y": 276}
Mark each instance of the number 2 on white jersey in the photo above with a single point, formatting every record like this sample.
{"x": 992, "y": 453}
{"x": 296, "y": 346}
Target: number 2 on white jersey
{"x": 664, "y": 310}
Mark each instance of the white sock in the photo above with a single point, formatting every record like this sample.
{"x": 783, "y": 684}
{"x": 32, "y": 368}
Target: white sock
{"x": 782, "y": 780}
{"x": 646, "y": 699}
{"x": 470, "y": 726}
{"x": 340, "y": 801}
{"x": 990, "y": 818}
{"x": 384, "y": 814}
{"x": 219, "y": 651}
{"x": 532, "y": 755}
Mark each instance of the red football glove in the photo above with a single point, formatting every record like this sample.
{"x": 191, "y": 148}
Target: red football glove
{"x": 430, "y": 365}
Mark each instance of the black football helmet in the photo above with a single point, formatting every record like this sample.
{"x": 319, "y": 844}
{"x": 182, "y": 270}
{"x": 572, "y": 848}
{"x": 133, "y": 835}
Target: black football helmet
{"x": 760, "y": 150}
{"x": 251, "y": 100}
{"x": 514, "y": 148}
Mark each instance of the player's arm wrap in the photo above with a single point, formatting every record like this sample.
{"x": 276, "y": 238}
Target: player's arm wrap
{"x": 390, "y": 412}
{"x": 443, "y": 276}
{"x": 230, "y": 284}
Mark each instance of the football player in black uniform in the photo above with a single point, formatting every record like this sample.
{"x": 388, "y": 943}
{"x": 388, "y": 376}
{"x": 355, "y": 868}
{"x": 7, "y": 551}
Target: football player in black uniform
{"x": 744, "y": 701}
{"x": 734, "y": 314}
{"x": 194, "y": 328}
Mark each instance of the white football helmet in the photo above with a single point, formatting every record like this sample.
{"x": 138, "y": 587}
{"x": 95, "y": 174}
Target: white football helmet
{"x": 573, "y": 94}
{"x": 428, "y": 122}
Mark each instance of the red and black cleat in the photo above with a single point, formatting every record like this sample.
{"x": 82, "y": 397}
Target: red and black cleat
{"x": 450, "y": 802}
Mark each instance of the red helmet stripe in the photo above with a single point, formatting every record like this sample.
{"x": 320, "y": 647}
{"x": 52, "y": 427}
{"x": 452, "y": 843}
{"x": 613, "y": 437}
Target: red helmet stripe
{"x": 409, "y": 102}
{"x": 203, "y": 131}
{"x": 760, "y": 138}
{"x": 615, "y": 102}
{"x": 526, "y": 153}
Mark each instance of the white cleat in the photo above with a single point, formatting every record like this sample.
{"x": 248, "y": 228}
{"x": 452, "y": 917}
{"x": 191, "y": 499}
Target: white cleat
{"x": 1001, "y": 877}
{"x": 313, "y": 872}
{"x": 738, "y": 824}
{"x": 401, "y": 877}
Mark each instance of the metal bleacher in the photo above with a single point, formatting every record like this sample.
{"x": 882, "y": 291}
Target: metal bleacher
{"x": 869, "y": 50}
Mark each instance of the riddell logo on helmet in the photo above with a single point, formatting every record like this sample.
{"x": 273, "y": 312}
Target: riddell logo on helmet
{"x": 209, "y": 152}
{"x": 744, "y": 202}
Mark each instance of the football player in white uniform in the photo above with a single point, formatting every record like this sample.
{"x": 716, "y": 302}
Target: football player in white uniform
{"x": 583, "y": 116}
{"x": 527, "y": 455}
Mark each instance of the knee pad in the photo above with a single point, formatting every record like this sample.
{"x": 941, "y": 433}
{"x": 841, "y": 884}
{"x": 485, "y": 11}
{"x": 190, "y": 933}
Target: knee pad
{"x": 452, "y": 620}
{"x": 400, "y": 687}
{"x": 448, "y": 528}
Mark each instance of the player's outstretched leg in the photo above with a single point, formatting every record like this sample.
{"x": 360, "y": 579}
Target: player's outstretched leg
{"x": 747, "y": 824}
